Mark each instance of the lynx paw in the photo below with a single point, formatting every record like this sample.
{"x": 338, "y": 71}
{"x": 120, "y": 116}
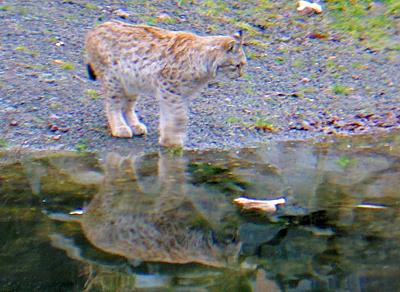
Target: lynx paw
{"x": 139, "y": 129}
{"x": 122, "y": 132}
{"x": 171, "y": 142}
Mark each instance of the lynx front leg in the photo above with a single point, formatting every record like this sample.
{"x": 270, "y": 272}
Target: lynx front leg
{"x": 114, "y": 105}
{"x": 173, "y": 119}
{"x": 131, "y": 117}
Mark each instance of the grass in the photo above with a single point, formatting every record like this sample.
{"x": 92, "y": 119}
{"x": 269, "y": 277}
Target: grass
{"x": 344, "y": 161}
{"x": 232, "y": 120}
{"x": 298, "y": 63}
{"x": 81, "y": 145}
{"x": 26, "y": 50}
{"x": 213, "y": 8}
{"x": 90, "y": 6}
{"x": 55, "y": 105}
{"x": 361, "y": 20}
{"x": 257, "y": 43}
{"x": 173, "y": 150}
{"x": 252, "y": 55}
{"x": 279, "y": 60}
{"x": 247, "y": 77}
{"x": 5, "y": 8}
{"x": 150, "y": 20}
{"x": 263, "y": 123}
{"x": 92, "y": 93}
{"x": 340, "y": 89}
{"x": 67, "y": 66}
{"x": 3, "y": 143}
{"x": 32, "y": 66}
{"x": 23, "y": 11}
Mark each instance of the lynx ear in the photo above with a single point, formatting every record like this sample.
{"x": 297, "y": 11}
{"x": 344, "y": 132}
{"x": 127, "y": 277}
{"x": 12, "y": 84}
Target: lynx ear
{"x": 239, "y": 36}
{"x": 228, "y": 45}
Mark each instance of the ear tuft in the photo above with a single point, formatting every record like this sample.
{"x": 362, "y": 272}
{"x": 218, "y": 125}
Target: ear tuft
{"x": 239, "y": 36}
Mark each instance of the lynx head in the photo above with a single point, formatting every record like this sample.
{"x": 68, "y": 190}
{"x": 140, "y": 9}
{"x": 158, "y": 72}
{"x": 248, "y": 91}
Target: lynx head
{"x": 229, "y": 54}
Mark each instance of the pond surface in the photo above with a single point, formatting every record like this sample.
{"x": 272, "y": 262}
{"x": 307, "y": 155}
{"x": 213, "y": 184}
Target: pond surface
{"x": 166, "y": 221}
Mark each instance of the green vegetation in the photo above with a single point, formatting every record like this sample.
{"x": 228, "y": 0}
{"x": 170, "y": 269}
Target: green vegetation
{"x": 5, "y": 8}
{"x": 3, "y": 143}
{"x": 341, "y": 89}
{"x": 173, "y": 150}
{"x": 67, "y": 66}
{"x": 344, "y": 161}
{"x": 257, "y": 43}
{"x": 92, "y": 93}
{"x": 232, "y": 120}
{"x": 81, "y": 146}
{"x": 150, "y": 20}
{"x": 298, "y": 63}
{"x": 55, "y": 105}
{"x": 90, "y": 6}
{"x": 279, "y": 60}
{"x": 263, "y": 123}
{"x": 251, "y": 55}
{"x": 26, "y": 50}
{"x": 365, "y": 20}
{"x": 218, "y": 176}
{"x": 247, "y": 77}
{"x": 212, "y": 8}
{"x": 23, "y": 11}
{"x": 32, "y": 66}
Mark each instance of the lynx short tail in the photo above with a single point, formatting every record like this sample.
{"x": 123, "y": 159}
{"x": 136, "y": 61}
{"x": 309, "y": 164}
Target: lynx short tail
{"x": 91, "y": 73}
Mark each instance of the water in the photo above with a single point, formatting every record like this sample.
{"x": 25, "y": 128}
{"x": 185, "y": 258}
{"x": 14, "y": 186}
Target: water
{"x": 166, "y": 222}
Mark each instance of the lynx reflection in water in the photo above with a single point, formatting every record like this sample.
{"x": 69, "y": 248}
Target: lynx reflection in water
{"x": 166, "y": 221}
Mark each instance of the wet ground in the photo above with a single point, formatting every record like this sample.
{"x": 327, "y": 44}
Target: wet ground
{"x": 119, "y": 221}
{"x": 305, "y": 77}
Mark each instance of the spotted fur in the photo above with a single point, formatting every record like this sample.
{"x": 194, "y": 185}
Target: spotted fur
{"x": 133, "y": 60}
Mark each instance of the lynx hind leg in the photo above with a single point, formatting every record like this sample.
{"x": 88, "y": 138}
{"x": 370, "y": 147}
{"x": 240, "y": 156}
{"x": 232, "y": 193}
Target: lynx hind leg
{"x": 115, "y": 102}
{"x": 173, "y": 120}
{"x": 132, "y": 119}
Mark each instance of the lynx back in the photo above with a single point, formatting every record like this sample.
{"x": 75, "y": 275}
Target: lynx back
{"x": 133, "y": 60}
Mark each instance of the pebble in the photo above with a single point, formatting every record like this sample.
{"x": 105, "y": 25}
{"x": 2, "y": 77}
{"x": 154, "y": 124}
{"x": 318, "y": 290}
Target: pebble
{"x": 163, "y": 17}
{"x": 53, "y": 128}
{"x": 121, "y": 13}
{"x": 14, "y": 123}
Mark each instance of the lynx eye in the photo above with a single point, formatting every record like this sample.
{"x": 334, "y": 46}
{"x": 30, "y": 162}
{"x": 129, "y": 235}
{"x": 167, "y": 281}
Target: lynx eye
{"x": 231, "y": 45}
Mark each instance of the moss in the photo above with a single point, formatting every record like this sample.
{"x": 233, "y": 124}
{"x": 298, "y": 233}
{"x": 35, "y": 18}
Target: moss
{"x": 23, "y": 11}
{"x": 257, "y": 43}
{"x": 232, "y": 120}
{"x": 92, "y": 93}
{"x": 263, "y": 123}
{"x": 279, "y": 60}
{"x": 90, "y": 6}
{"x": 5, "y": 8}
{"x": 3, "y": 143}
{"x": 150, "y": 20}
{"x": 359, "y": 19}
{"x": 67, "y": 66}
{"x": 341, "y": 89}
{"x": 81, "y": 146}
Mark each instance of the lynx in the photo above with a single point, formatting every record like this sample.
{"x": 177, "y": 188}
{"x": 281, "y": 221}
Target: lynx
{"x": 133, "y": 60}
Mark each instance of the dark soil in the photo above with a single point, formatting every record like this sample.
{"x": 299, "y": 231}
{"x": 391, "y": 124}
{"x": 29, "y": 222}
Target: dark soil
{"x": 302, "y": 80}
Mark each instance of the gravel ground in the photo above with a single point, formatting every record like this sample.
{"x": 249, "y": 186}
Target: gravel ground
{"x": 302, "y": 79}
